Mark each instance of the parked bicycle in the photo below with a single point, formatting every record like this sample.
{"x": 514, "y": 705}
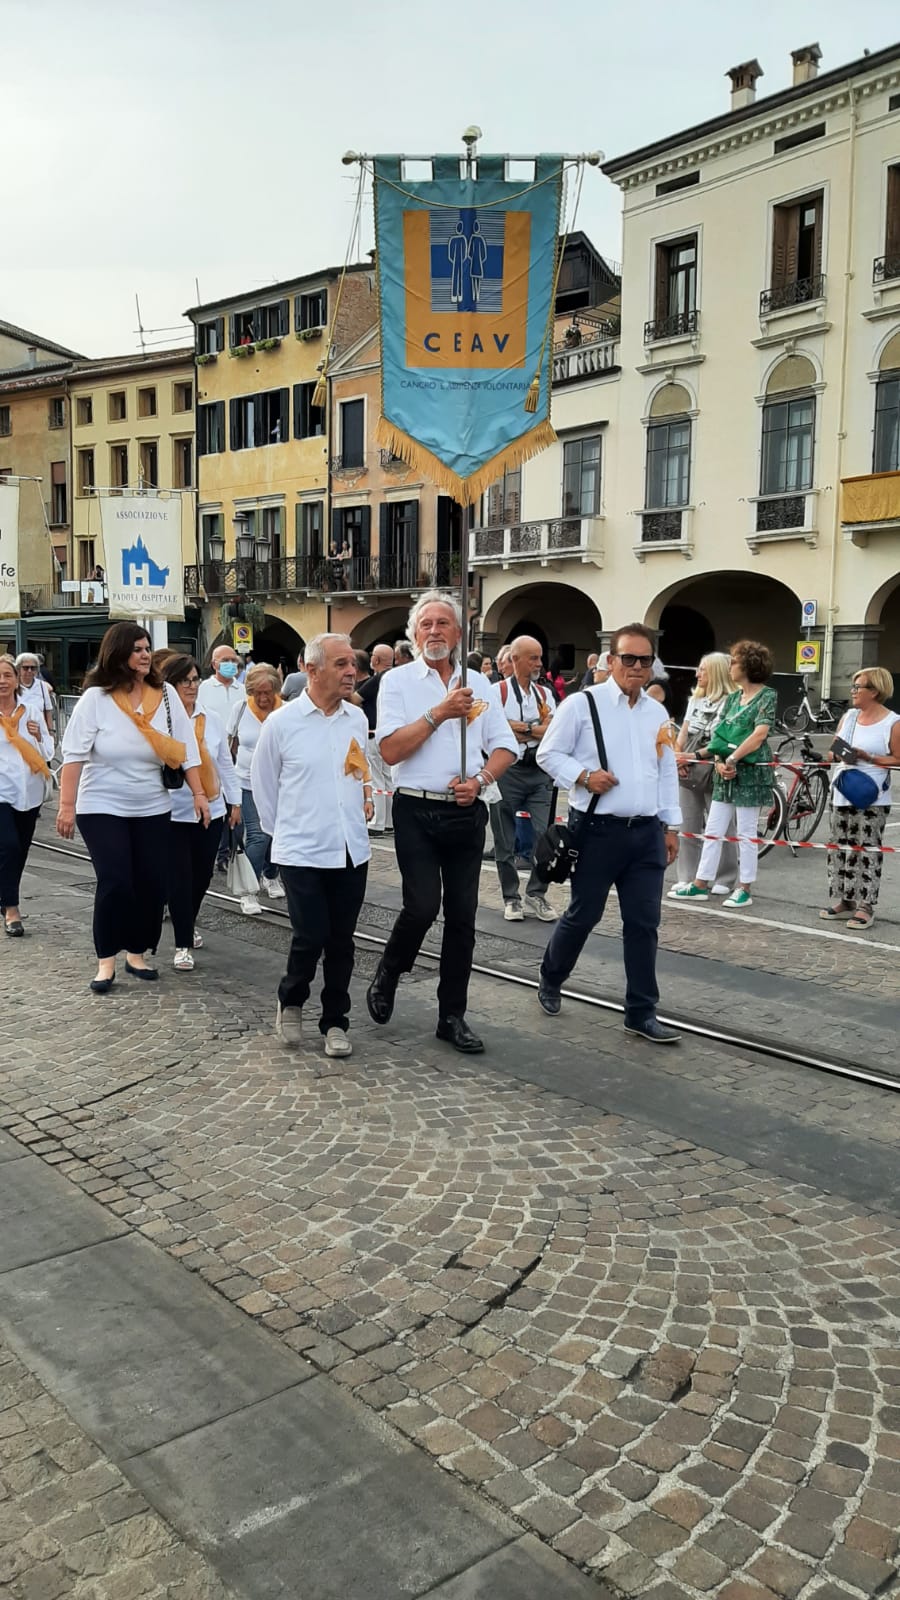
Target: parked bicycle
{"x": 772, "y": 820}
{"x": 805, "y": 791}
{"x": 796, "y": 719}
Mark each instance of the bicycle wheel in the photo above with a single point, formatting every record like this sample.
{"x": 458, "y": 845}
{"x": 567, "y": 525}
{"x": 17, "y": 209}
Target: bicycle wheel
{"x": 796, "y": 718}
{"x": 805, "y": 807}
{"x": 772, "y": 817}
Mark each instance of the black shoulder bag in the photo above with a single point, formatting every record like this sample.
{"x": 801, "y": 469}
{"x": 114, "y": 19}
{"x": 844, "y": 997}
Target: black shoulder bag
{"x": 555, "y": 852}
{"x": 172, "y": 777}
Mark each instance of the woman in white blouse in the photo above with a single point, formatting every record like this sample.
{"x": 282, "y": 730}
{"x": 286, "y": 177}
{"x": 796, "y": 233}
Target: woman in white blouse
{"x": 124, "y": 730}
{"x": 192, "y": 849}
{"x": 263, "y": 686}
{"x": 25, "y": 747}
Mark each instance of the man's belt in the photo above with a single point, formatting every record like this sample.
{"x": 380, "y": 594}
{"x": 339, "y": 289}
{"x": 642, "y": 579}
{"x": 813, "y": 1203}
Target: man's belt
{"x": 446, "y": 795}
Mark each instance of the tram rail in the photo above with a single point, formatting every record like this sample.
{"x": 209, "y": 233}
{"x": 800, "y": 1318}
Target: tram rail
{"x": 755, "y": 1043}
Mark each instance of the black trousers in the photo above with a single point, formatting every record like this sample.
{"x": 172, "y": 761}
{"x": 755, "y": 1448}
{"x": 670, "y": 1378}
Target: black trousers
{"x": 130, "y": 857}
{"x": 16, "y": 834}
{"x": 323, "y": 904}
{"x": 192, "y": 857}
{"x": 633, "y": 857}
{"x": 439, "y": 848}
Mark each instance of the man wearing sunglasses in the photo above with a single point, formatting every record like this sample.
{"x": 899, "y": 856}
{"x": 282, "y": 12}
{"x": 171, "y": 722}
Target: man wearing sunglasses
{"x": 624, "y": 817}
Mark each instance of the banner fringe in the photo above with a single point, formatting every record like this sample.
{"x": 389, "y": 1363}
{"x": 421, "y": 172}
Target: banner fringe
{"x": 465, "y": 490}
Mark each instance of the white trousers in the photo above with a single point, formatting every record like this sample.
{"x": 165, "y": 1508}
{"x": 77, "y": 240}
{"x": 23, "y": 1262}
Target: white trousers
{"x": 381, "y": 780}
{"x": 720, "y": 820}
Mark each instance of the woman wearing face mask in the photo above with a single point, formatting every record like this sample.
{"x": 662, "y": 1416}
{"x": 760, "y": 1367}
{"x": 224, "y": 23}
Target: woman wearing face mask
{"x": 25, "y": 747}
{"x": 263, "y": 697}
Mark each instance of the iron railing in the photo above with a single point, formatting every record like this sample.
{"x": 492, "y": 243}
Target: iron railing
{"x": 782, "y": 511}
{"x": 660, "y": 526}
{"x": 531, "y": 540}
{"x": 323, "y": 574}
{"x": 884, "y": 268}
{"x": 672, "y": 327}
{"x": 797, "y": 293}
{"x": 587, "y": 329}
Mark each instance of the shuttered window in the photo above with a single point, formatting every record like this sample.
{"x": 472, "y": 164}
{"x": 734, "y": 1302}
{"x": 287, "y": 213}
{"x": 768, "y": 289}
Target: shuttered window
{"x": 892, "y": 219}
{"x": 211, "y": 336}
{"x": 211, "y": 428}
{"x": 352, "y": 433}
{"x": 797, "y": 241}
{"x": 676, "y": 278}
{"x": 309, "y": 420}
{"x": 260, "y": 419}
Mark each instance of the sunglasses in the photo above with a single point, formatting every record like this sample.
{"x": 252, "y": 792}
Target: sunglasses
{"x": 628, "y": 660}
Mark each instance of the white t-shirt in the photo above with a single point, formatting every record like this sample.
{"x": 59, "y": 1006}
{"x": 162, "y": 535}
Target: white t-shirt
{"x": 229, "y": 788}
{"x": 220, "y": 698}
{"x": 247, "y": 727}
{"x": 121, "y": 775}
{"x": 19, "y": 786}
{"x": 876, "y": 738}
{"x": 37, "y": 694}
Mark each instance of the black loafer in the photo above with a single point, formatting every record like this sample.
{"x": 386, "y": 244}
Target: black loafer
{"x": 148, "y": 974}
{"x": 102, "y": 985}
{"x": 550, "y": 1000}
{"x": 654, "y": 1031}
{"x": 380, "y": 994}
{"x": 15, "y": 930}
{"x": 456, "y": 1031}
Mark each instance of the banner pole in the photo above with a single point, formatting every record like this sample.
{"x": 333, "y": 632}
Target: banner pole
{"x": 464, "y": 635}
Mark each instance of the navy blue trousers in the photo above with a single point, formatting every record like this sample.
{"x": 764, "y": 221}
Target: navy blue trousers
{"x": 633, "y": 857}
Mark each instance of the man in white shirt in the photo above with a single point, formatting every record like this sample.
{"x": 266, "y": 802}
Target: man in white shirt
{"x": 34, "y": 691}
{"x": 439, "y": 818}
{"x": 222, "y": 692}
{"x": 624, "y": 816}
{"x": 311, "y": 785}
{"x": 528, "y": 709}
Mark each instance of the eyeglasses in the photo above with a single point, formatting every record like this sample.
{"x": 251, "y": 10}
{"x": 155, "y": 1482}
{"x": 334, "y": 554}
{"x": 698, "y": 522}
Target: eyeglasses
{"x": 194, "y": 679}
{"x": 855, "y": 686}
{"x": 28, "y": 666}
{"x": 629, "y": 660}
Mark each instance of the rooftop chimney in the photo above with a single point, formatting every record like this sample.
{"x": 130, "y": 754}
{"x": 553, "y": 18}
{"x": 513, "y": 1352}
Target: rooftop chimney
{"x": 743, "y": 83}
{"x": 806, "y": 63}
{"x": 32, "y": 355}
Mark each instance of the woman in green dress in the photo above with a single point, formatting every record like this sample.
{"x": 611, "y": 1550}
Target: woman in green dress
{"x": 743, "y": 776}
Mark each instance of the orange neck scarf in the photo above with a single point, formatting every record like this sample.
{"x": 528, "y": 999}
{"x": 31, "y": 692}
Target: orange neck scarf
{"x": 208, "y": 774}
{"x": 31, "y": 757}
{"x": 170, "y": 751}
{"x": 261, "y": 715}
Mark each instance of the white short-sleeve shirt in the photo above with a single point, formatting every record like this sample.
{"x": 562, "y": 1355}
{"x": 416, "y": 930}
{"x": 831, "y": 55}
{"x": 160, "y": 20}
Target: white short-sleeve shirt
{"x": 121, "y": 775}
{"x": 405, "y": 695}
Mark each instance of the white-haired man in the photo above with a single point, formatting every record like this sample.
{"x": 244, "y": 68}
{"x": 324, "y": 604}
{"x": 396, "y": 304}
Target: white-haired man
{"x": 310, "y": 781}
{"x": 439, "y": 818}
{"x": 34, "y": 691}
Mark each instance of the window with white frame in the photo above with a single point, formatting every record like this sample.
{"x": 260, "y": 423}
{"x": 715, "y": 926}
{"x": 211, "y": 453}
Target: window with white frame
{"x": 581, "y": 477}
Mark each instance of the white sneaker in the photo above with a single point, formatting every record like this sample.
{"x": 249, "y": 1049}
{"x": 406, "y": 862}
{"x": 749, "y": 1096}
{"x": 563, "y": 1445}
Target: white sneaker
{"x": 289, "y": 1023}
{"x": 198, "y": 941}
{"x": 273, "y": 888}
{"x": 537, "y": 905}
{"x": 721, "y": 888}
{"x": 677, "y": 888}
{"x": 184, "y": 961}
{"x": 337, "y": 1043}
{"x": 250, "y": 906}
{"x": 513, "y": 912}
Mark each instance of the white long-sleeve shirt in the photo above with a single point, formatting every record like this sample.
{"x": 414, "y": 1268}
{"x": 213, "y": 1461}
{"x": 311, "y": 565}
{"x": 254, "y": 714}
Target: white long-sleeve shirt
{"x": 635, "y": 754}
{"x": 19, "y": 786}
{"x": 405, "y": 695}
{"x": 309, "y": 805}
{"x": 122, "y": 775}
{"x": 229, "y": 787}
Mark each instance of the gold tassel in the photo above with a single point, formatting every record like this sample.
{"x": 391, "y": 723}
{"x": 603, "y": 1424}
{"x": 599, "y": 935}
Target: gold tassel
{"x": 533, "y": 395}
{"x": 320, "y": 392}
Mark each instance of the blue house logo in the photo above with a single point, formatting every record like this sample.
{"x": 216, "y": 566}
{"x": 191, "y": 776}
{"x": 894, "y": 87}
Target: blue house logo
{"x": 139, "y": 570}
{"x": 467, "y": 248}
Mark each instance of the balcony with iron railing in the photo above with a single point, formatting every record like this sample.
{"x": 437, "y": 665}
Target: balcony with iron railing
{"x": 799, "y": 292}
{"x": 886, "y": 269}
{"x": 678, "y": 325}
{"x": 554, "y": 539}
{"x": 325, "y": 575}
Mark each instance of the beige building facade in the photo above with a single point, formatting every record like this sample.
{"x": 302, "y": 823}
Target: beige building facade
{"x": 735, "y": 450}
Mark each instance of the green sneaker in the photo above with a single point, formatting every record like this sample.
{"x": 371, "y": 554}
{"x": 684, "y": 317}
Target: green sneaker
{"x": 689, "y": 892}
{"x": 737, "y": 900}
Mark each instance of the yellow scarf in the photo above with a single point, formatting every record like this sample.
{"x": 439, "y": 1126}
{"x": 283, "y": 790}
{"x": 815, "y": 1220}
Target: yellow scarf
{"x": 31, "y": 757}
{"x": 261, "y": 715}
{"x": 208, "y": 774}
{"x": 356, "y": 765}
{"x": 170, "y": 751}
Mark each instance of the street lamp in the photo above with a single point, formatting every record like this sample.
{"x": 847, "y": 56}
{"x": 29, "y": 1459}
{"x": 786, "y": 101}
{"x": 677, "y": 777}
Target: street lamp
{"x": 215, "y": 546}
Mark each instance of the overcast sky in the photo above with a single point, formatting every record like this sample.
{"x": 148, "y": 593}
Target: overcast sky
{"x": 148, "y": 147}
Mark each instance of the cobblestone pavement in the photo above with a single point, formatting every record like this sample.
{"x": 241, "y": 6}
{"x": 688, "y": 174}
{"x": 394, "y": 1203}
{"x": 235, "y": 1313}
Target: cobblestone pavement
{"x": 679, "y": 1370}
{"x": 70, "y": 1524}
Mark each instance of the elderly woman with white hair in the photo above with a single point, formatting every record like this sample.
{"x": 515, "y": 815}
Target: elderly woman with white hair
{"x": 34, "y": 691}
{"x": 263, "y": 687}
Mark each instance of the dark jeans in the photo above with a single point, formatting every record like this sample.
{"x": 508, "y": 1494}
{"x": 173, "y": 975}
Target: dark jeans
{"x": 131, "y": 859}
{"x": 192, "y": 857}
{"x": 634, "y": 859}
{"x": 323, "y": 903}
{"x": 523, "y": 789}
{"x": 439, "y": 846}
{"x": 16, "y": 834}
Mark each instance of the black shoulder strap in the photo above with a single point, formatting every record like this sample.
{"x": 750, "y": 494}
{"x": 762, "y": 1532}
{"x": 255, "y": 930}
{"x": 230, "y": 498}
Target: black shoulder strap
{"x": 168, "y": 710}
{"x": 598, "y": 731}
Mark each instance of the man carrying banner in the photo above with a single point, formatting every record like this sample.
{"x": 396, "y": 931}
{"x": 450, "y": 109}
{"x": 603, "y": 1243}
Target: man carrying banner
{"x": 439, "y": 816}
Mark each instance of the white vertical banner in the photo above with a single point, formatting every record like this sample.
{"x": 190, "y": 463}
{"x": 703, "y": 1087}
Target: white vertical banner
{"x": 9, "y": 550}
{"x": 142, "y": 543}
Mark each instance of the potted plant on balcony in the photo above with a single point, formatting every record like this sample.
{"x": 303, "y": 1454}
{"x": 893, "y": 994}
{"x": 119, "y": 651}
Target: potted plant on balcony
{"x": 206, "y": 357}
{"x": 268, "y": 344}
{"x": 306, "y": 334}
{"x": 237, "y": 608}
{"x": 242, "y": 349}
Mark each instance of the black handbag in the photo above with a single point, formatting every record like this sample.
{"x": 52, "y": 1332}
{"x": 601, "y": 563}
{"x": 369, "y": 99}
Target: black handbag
{"x": 556, "y": 851}
{"x": 172, "y": 777}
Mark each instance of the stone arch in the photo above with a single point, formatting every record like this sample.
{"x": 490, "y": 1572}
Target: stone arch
{"x": 729, "y": 606}
{"x": 789, "y": 373}
{"x": 270, "y": 643}
{"x": 889, "y": 352}
{"x": 562, "y": 617}
{"x": 384, "y": 626}
{"x": 671, "y": 400}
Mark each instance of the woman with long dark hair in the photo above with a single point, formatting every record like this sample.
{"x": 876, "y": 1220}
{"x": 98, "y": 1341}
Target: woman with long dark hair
{"x": 192, "y": 849}
{"x": 125, "y": 731}
{"x": 25, "y": 747}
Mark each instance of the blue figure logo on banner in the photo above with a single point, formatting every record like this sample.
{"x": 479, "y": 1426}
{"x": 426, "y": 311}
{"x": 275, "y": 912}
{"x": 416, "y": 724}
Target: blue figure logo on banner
{"x": 467, "y": 261}
{"x": 140, "y": 571}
